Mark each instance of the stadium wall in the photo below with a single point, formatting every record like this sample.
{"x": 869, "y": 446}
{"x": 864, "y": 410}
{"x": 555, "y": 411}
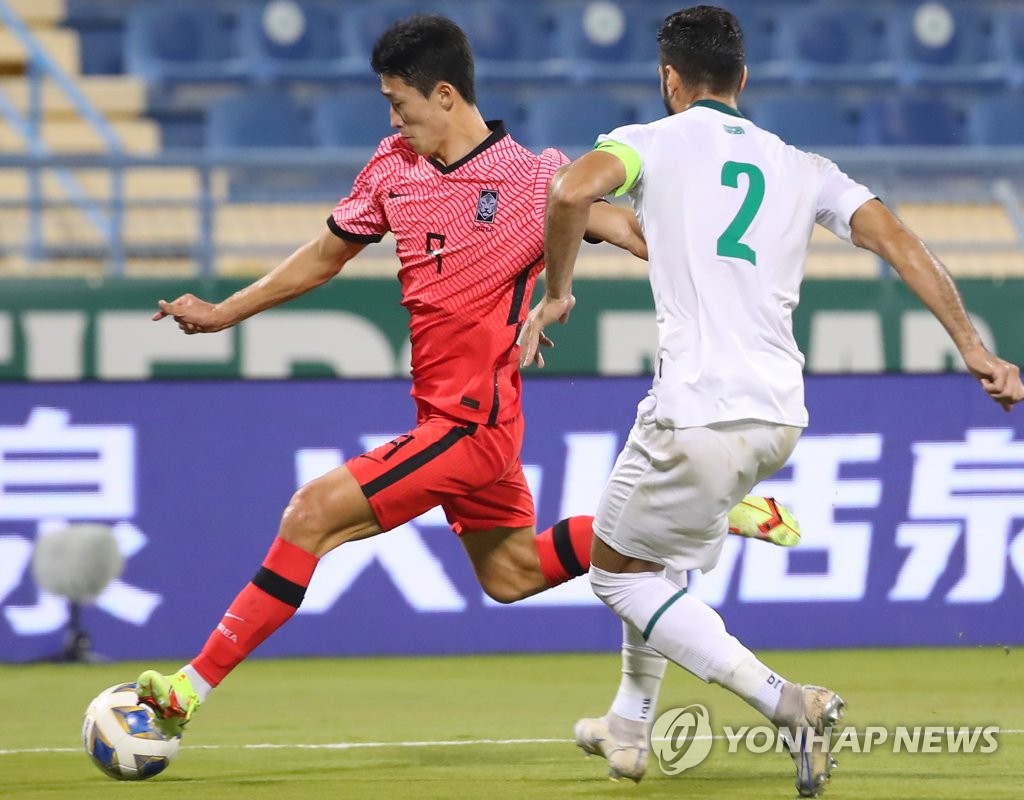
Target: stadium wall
{"x": 79, "y": 329}
{"x": 909, "y": 490}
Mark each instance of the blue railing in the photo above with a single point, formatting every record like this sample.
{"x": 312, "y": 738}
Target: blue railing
{"x": 41, "y": 66}
{"x": 898, "y": 175}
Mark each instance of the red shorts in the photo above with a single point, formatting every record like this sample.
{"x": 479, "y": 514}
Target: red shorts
{"x": 472, "y": 471}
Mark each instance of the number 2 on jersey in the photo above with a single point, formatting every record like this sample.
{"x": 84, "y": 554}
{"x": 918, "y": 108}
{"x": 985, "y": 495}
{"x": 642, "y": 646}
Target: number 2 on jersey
{"x": 729, "y": 244}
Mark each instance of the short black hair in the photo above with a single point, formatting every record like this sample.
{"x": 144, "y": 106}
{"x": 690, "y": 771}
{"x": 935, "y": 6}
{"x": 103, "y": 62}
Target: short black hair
{"x": 704, "y": 44}
{"x": 424, "y": 50}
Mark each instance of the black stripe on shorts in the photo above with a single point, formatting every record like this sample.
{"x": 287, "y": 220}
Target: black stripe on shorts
{"x": 413, "y": 463}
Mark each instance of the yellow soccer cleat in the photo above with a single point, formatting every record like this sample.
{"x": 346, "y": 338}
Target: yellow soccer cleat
{"x": 170, "y": 696}
{"x": 764, "y": 518}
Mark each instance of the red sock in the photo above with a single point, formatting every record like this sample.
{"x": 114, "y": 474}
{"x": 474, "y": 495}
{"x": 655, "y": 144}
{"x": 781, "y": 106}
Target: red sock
{"x": 564, "y": 549}
{"x": 263, "y": 606}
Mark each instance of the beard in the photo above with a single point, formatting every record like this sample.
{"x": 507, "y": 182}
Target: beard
{"x": 664, "y": 95}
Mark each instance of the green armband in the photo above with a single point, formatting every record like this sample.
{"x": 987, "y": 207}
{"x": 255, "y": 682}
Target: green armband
{"x": 630, "y": 159}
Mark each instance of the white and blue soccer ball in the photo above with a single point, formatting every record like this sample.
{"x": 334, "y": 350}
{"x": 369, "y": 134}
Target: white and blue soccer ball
{"x": 122, "y": 737}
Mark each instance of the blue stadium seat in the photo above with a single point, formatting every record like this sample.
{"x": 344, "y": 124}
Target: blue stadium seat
{"x": 355, "y": 117}
{"x": 611, "y": 41}
{"x": 300, "y": 40}
{"x": 946, "y": 44}
{"x": 846, "y": 45}
{"x": 573, "y": 118}
{"x": 180, "y": 42}
{"x": 363, "y": 23}
{"x": 510, "y": 42}
{"x": 504, "y": 103}
{"x": 997, "y": 120}
{"x": 808, "y": 121}
{"x": 1011, "y": 30}
{"x": 898, "y": 120}
{"x": 257, "y": 118}
{"x": 770, "y": 62}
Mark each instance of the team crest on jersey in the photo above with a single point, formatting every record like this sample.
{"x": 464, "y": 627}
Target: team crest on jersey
{"x": 487, "y": 205}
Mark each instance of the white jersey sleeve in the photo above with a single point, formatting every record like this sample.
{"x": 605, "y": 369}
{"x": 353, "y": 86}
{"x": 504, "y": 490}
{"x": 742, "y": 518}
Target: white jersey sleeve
{"x": 839, "y": 196}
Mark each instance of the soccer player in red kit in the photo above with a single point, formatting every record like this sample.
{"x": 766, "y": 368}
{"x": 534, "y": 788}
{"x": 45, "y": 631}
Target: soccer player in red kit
{"x": 465, "y": 204}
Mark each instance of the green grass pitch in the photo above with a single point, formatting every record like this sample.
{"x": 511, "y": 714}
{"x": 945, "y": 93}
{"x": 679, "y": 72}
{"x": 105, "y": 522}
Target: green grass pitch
{"x": 427, "y": 722}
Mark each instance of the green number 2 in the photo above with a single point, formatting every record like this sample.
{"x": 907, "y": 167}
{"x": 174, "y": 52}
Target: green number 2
{"x": 729, "y": 244}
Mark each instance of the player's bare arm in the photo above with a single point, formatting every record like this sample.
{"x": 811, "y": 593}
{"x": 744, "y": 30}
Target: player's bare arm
{"x": 571, "y": 197}
{"x": 877, "y": 229}
{"x": 619, "y": 226}
{"x": 311, "y": 265}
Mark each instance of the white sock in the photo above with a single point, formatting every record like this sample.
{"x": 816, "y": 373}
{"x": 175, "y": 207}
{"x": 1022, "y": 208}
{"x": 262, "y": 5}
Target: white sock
{"x": 642, "y": 671}
{"x": 199, "y": 683}
{"x": 689, "y": 632}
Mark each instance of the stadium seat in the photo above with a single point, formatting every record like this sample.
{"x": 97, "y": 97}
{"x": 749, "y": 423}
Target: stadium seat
{"x": 180, "y": 43}
{"x": 767, "y": 58}
{"x": 500, "y": 102}
{"x": 510, "y": 42}
{"x": 356, "y": 117}
{"x": 1010, "y": 27}
{"x": 997, "y": 120}
{"x": 898, "y": 120}
{"x": 846, "y": 45}
{"x": 807, "y": 121}
{"x": 946, "y": 44}
{"x": 573, "y": 118}
{"x": 609, "y": 41}
{"x": 361, "y": 26}
{"x": 291, "y": 41}
{"x": 258, "y": 118}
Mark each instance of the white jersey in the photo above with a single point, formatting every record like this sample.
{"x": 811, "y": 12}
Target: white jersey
{"x": 727, "y": 210}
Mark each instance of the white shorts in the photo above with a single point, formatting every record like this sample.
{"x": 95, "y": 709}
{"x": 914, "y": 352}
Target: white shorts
{"x": 670, "y": 492}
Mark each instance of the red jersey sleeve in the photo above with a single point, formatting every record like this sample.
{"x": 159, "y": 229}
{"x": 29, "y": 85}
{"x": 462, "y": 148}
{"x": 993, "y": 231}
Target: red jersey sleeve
{"x": 360, "y": 217}
{"x": 548, "y": 163}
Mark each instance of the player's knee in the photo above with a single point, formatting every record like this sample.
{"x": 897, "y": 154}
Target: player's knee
{"x": 303, "y": 522}
{"x": 607, "y": 586}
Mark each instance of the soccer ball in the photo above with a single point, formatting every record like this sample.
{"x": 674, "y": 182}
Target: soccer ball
{"x": 122, "y": 738}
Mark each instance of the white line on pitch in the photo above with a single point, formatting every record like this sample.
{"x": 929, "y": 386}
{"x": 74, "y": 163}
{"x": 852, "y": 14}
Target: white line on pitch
{"x": 364, "y": 745}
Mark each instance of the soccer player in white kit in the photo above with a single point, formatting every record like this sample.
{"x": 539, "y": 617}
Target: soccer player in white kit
{"x": 727, "y": 210}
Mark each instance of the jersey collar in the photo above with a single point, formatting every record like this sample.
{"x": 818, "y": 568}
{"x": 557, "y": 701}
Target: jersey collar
{"x": 714, "y": 104}
{"x": 497, "y": 128}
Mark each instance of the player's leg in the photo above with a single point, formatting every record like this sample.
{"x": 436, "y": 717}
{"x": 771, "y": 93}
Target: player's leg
{"x": 512, "y": 563}
{"x": 375, "y": 491}
{"x": 495, "y": 523}
{"x": 693, "y": 635}
{"x": 673, "y": 511}
{"x": 622, "y": 734}
{"x": 323, "y": 514}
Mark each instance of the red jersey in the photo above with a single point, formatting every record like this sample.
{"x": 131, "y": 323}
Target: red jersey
{"x": 470, "y": 240}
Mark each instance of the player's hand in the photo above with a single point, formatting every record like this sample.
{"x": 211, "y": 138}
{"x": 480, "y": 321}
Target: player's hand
{"x": 1000, "y": 379}
{"x": 192, "y": 314}
{"x": 532, "y": 338}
